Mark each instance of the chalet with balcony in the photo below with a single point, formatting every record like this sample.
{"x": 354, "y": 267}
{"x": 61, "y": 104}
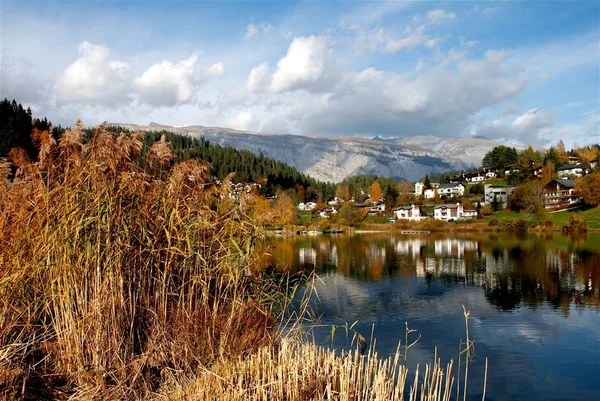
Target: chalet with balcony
{"x": 560, "y": 194}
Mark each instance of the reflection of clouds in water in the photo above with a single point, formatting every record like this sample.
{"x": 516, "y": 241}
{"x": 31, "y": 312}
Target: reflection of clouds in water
{"x": 539, "y": 342}
{"x": 414, "y": 298}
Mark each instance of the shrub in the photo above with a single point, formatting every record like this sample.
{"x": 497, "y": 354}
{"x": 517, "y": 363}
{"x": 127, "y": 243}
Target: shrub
{"x": 575, "y": 223}
{"x": 486, "y": 209}
{"x": 324, "y": 224}
{"x": 493, "y": 222}
{"x": 517, "y": 226}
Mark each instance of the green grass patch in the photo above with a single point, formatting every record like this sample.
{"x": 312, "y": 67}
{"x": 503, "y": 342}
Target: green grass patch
{"x": 558, "y": 219}
{"x": 591, "y": 215}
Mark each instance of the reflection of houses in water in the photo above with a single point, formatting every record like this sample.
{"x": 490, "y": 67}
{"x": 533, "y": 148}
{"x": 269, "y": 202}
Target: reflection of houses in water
{"x": 333, "y": 255}
{"x": 377, "y": 252}
{"x": 441, "y": 267}
{"x": 410, "y": 247}
{"x": 456, "y": 247}
{"x": 307, "y": 256}
{"x": 564, "y": 265}
{"x": 495, "y": 265}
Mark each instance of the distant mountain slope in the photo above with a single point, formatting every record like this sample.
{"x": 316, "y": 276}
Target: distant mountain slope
{"x": 334, "y": 159}
{"x": 460, "y": 152}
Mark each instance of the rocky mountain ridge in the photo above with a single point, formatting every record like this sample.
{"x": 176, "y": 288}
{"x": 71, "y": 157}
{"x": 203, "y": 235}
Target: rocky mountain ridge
{"x": 334, "y": 159}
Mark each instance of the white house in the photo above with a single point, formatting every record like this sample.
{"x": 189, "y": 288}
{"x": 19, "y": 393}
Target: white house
{"x": 452, "y": 189}
{"x": 453, "y": 211}
{"x": 572, "y": 170}
{"x": 419, "y": 186}
{"x": 491, "y": 173}
{"x": 377, "y": 208}
{"x": 420, "y": 189}
{"x": 412, "y": 212}
{"x": 335, "y": 201}
{"x": 325, "y": 213}
{"x": 475, "y": 177}
{"x": 307, "y": 206}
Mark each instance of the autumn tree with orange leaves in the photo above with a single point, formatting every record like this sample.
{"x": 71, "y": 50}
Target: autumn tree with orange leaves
{"x": 589, "y": 188}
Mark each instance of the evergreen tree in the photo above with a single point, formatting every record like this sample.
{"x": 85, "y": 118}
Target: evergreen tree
{"x": 426, "y": 182}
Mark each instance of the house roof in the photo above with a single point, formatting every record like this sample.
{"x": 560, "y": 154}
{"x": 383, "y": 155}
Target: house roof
{"x": 446, "y": 205}
{"x": 451, "y": 185}
{"x": 564, "y": 183}
{"x": 404, "y": 208}
{"x": 571, "y": 166}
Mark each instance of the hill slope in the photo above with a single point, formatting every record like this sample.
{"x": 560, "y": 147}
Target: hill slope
{"x": 334, "y": 159}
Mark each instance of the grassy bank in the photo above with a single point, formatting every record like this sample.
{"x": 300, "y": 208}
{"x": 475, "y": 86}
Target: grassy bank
{"x": 124, "y": 277}
{"x": 558, "y": 219}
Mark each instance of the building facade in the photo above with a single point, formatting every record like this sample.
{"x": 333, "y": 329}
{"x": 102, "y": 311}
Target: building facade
{"x": 560, "y": 194}
{"x": 500, "y": 194}
{"x": 453, "y": 211}
{"x": 412, "y": 213}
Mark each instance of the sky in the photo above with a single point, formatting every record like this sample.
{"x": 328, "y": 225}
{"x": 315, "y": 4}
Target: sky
{"x": 517, "y": 72}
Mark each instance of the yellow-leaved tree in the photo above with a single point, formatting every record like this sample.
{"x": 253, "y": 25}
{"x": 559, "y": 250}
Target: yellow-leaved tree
{"x": 375, "y": 192}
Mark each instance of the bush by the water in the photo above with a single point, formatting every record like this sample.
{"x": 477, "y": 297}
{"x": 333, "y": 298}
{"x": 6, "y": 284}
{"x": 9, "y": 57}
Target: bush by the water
{"x": 575, "y": 223}
{"x": 517, "y": 226}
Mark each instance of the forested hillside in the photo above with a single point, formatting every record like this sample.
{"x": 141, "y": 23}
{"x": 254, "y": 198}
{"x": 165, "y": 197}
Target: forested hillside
{"x": 18, "y": 128}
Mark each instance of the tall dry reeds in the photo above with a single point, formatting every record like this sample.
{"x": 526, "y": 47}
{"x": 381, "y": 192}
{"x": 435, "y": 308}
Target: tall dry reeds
{"x": 120, "y": 272}
{"x": 125, "y": 277}
{"x": 301, "y": 371}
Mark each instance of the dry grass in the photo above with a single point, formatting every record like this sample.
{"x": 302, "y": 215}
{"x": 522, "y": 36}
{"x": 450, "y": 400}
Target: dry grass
{"x": 123, "y": 277}
{"x": 301, "y": 371}
{"x": 121, "y": 273}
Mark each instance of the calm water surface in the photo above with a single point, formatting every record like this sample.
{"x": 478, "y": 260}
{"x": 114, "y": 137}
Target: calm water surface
{"x": 536, "y": 301}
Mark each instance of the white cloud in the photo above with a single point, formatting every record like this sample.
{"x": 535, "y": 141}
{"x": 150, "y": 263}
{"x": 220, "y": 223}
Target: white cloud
{"x": 22, "y": 79}
{"x": 94, "y": 78}
{"x": 305, "y": 66}
{"x": 253, "y": 30}
{"x": 258, "y": 78}
{"x": 303, "y": 63}
{"x": 538, "y": 127}
{"x": 387, "y": 41}
{"x": 167, "y": 83}
{"x": 531, "y": 120}
{"x": 437, "y": 16}
{"x": 411, "y": 38}
{"x": 441, "y": 100}
{"x": 216, "y": 70}
{"x": 243, "y": 121}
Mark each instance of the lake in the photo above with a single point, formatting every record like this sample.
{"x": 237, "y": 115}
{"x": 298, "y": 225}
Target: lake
{"x": 535, "y": 301}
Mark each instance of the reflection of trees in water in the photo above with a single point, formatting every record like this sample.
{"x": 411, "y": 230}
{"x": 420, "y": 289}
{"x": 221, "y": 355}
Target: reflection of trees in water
{"x": 512, "y": 271}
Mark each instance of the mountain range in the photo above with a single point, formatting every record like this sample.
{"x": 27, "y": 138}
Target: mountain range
{"x": 334, "y": 159}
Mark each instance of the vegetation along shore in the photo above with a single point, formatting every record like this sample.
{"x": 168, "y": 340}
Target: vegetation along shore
{"x": 124, "y": 275}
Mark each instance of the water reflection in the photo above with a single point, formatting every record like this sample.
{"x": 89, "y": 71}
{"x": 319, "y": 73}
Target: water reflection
{"x": 512, "y": 271}
{"x": 536, "y": 300}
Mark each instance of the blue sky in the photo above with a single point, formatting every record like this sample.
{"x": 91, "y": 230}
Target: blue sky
{"x": 518, "y": 72}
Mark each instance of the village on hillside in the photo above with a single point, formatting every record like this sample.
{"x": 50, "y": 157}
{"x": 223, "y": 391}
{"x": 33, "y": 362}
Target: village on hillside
{"x": 529, "y": 182}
